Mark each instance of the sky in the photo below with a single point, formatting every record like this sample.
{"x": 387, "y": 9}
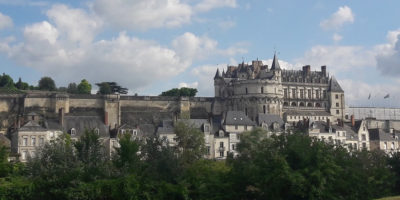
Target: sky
{"x": 150, "y": 46}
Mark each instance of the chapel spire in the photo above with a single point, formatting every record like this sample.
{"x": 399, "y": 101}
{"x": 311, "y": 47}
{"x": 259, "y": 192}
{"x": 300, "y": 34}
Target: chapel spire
{"x": 275, "y": 63}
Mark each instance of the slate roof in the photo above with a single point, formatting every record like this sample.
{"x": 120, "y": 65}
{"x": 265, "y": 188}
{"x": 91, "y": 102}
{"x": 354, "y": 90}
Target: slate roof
{"x": 217, "y": 74}
{"x": 82, "y": 123}
{"x": 166, "y": 127}
{"x": 334, "y": 85}
{"x": 32, "y": 126}
{"x": 237, "y": 118}
{"x": 380, "y": 134}
{"x": 146, "y": 130}
{"x": 275, "y": 63}
{"x": 350, "y": 133}
{"x": 307, "y": 113}
{"x": 269, "y": 119}
{"x": 196, "y": 123}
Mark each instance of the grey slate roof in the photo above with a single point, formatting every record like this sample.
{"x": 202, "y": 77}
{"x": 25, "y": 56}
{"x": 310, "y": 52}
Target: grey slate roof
{"x": 275, "y": 63}
{"x": 334, "y": 85}
{"x": 32, "y": 126}
{"x": 269, "y": 119}
{"x": 166, "y": 127}
{"x": 217, "y": 74}
{"x": 196, "y": 123}
{"x": 381, "y": 135}
{"x": 146, "y": 130}
{"x": 82, "y": 123}
{"x": 307, "y": 113}
{"x": 237, "y": 118}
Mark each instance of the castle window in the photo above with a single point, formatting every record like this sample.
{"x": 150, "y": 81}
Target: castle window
{"x": 247, "y": 91}
{"x": 25, "y": 142}
{"x": 337, "y": 111}
{"x": 33, "y": 141}
{"x": 285, "y": 104}
{"x": 236, "y": 127}
{"x": 309, "y": 94}
{"x": 245, "y": 111}
{"x": 294, "y": 104}
{"x": 262, "y": 89}
{"x": 293, "y": 93}
{"x": 301, "y": 93}
{"x": 337, "y": 104}
{"x": 206, "y": 128}
{"x": 96, "y": 130}
{"x": 336, "y": 96}
{"x": 285, "y": 95}
{"x": 41, "y": 141}
{"x": 324, "y": 93}
{"x": 208, "y": 150}
{"x": 301, "y": 104}
{"x": 317, "y": 105}
{"x": 317, "y": 94}
{"x": 309, "y": 105}
{"x": 73, "y": 132}
{"x": 264, "y": 109}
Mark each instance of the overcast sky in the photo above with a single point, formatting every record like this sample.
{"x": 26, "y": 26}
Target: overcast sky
{"x": 153, "y": 45}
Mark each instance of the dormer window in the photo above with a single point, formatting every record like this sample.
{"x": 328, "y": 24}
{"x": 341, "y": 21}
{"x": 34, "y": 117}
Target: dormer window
{"x": 96, "y": 130}
{"x": 73, "y": 132}
{"x": 135, "y": 132}
{"x": 122, "y": 131}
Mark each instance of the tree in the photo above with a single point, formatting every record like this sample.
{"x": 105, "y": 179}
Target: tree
{"x": 47, "y": 83}
{"x": 84, "y": 87}
{"x": 182, "y": 92}
{"x": 111, "y": 88}
{"x": 91, "y": 153}
{"x": 6, "y": 81}
{"x": 72, "y": 88}
{"x": 190, "y": 142}
{"x": 21, "y": 85}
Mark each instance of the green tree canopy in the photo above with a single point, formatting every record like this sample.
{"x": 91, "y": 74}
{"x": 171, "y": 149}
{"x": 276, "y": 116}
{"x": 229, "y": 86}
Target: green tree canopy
{"x": 111, "y": 88}
{"x": 84, "y": 87}
{"x": 47, "y": 83}
{"x": 21, "y": 85}
{"x": 6, "y": 81}
{"x": 182, "y": 92}
{"x": 72, "y": 88}
{"x": 190, "y": 142}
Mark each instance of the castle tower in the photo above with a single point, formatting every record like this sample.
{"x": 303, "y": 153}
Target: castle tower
{"x": 336, "y": 99}
{"x": 218, "y": 84}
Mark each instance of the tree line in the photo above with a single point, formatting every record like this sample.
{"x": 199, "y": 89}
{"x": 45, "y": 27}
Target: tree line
{"x": 278, "y": 167}
{"x": 84, "y": 87}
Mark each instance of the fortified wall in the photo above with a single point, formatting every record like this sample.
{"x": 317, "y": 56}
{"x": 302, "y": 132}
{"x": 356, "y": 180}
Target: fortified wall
{"x": 116, "y": 109}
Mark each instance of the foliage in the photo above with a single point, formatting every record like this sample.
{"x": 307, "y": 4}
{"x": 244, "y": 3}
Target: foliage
{"x": 278, "y": 167}
{"x": 190, "y": 142}
{"x": 21, "y": 85}
{"x": 47, "y": 83}
{"x": 111, "y": 88}
{"x": 84, "y": 87}
{"x": 72, "y": 88}
{"x": 6, "y": 81}
{"x": 182, "y": 92}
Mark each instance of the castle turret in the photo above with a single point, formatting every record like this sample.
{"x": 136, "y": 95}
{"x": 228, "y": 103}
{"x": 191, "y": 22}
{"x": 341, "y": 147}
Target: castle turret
{"x": 217, "y": 75}
{"x": 218, "y": 83}
{"x": 275, "y": 64}
{"x": 336, "y": 98}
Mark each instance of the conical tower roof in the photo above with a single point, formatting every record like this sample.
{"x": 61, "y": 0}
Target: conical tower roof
{"x": 217, "y": 74}
{"x": 275, "y": 63}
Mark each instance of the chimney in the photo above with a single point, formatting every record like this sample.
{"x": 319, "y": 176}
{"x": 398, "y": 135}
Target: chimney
{"x": 61, "y": 117}
{"x": 106, "y": 118}
{"x": 307, "y": 69}
{"x": 353, "y": 122}
{"x": 19, "y": 122}
{"x": 323, "y": 70}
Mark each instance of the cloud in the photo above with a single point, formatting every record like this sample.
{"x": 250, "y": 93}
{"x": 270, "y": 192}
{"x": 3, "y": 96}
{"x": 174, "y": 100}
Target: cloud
{"x": 336, "y": 37}
{"x": 5, "y": 21}
{"x": 227, "y": 24}
{"x": 357, "y": 92}
{"x": 75, "y": 24}
{"x": 388, "y": 59}
{"x": 339, "y": 58}
{"x": 24, "y": 2}
{"x": 143, "y": 14}
{"x": 342, "y": 16}
{"x": 205, "y": 77}
{"x": 207, "y": 5}
{"x": 188, "y": 85}
{"x": 191, "y": 46}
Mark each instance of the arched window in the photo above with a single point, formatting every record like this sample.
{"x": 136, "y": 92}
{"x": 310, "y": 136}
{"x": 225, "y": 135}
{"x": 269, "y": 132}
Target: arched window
{"x": 262, "y": 89}
{"x": 317, "y": 105}
{"x": 301, "y": 104}
{"x": 309, "y": 105}
{"x": 264, "y": 109}
{"x": 285, "y": 104}
{"x": 247, "y": 91}
{"x": 294, "y": 104}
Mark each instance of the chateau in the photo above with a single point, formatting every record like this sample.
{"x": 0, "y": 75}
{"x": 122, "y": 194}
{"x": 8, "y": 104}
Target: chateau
{"x": 246, "y": 96}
